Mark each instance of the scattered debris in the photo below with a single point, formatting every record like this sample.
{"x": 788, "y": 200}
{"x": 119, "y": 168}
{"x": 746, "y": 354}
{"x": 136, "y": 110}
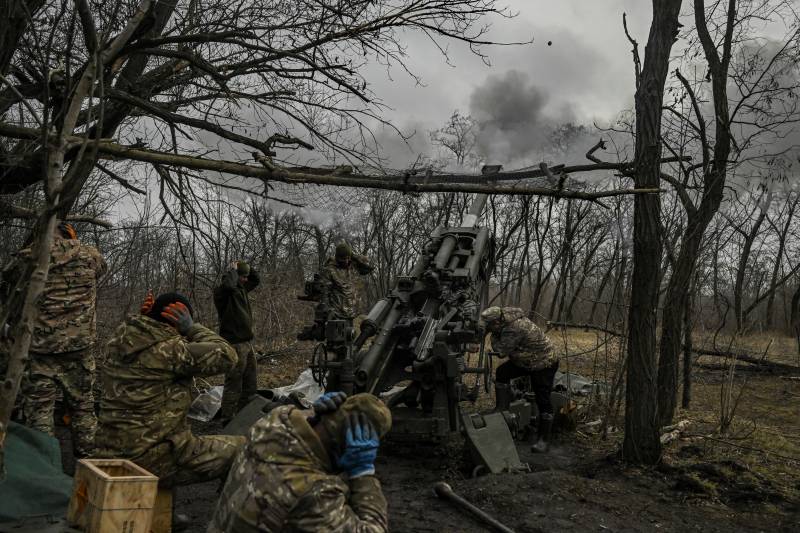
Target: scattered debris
{"x": 673, "y": 432}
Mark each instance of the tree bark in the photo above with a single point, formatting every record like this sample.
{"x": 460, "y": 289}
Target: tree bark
{"x": 641, "y": 443}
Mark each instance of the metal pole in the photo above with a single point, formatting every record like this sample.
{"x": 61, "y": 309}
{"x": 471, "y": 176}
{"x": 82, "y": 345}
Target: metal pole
{"x": 445, "y": 491}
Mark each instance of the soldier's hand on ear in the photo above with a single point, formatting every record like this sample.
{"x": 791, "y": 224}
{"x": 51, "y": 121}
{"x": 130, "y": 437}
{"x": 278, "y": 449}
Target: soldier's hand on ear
{"x": 360, "y": 447}
{"x": 148, "y": 302}
{"x": 329, "y": 402}
{"x": 178, "y": 315}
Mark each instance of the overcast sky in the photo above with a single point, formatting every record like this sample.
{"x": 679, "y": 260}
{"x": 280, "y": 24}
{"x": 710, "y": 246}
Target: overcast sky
{"x": 585, "y": 75}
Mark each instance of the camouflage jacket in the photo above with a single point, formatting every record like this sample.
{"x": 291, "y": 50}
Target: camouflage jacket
{"x": 147, "y": 381}
{"x": 66, "y": 320}
{"x": 523, "y": 342}
{"x": 282, "y": 481}
{"x": 341, "y": 286}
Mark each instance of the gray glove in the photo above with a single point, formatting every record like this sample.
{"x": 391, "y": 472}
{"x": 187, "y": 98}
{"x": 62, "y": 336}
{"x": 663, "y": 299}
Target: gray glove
{"x": 178, "y": 315}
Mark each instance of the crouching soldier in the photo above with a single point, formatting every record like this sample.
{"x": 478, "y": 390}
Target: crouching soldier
{"x": 147, "y": 385}
{"x": 530, "y": 353}
{"x": 301, "y": 473}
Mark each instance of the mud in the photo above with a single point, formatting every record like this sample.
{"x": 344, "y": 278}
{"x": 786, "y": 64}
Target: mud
{"x": 572, "y": 488}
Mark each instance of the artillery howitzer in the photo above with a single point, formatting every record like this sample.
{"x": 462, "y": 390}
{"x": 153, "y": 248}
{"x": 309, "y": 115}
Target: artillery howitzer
{"x": 413, "y": 341}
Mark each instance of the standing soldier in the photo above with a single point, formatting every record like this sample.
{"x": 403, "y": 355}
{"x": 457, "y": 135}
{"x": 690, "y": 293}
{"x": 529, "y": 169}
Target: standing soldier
{"x": 147, "y": 390}
{"x": 530, "y": 353}
{"x": 236, "y": 327}
{"x": 297, "y": 473}
{"x": 340, "y": 281}
{"x": 64, "y": 334}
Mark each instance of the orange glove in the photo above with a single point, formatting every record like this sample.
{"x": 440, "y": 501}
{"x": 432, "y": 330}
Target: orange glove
{"x": 68, "y": 230}
{"x": 178, "y": 315}
{"x": 148, "y": 302}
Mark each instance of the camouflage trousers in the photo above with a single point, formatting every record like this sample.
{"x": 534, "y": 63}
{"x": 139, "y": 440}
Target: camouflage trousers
{"x": 241, "y": 383}
{"x": 188, "y": 459}
{"x": 73, "y": 374}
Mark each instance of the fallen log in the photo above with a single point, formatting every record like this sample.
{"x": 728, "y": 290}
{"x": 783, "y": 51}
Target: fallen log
{"x": 764, "y": 364}
{"x": 748, "y": 358}
{"x": 584, "y": 326}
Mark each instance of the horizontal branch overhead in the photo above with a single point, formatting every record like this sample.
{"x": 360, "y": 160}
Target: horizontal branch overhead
{"x": 334, "y": 177}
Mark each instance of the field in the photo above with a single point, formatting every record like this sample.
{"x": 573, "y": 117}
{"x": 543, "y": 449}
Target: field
{"x": 745, "y": 479}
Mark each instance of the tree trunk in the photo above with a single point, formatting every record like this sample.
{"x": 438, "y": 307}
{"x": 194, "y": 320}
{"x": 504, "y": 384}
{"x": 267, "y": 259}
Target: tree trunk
{"x": 603, "y": 282}
{"x": 738, "y": 288}
{"x": 642, "y": 444}
{"x": 769, "y": 320}
{"x": 687, "y": 347}
{"x": 698, "y": 219}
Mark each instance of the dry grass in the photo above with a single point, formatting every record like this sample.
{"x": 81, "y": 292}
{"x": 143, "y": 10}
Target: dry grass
{"x": 756, "y": 461}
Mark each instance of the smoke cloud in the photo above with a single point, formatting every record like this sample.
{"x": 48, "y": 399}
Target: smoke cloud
{"x": 517, "y": 124}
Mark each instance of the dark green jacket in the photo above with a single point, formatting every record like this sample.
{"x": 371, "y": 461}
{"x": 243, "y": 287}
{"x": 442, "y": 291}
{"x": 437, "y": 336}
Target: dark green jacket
{"x": 233, "y": 306}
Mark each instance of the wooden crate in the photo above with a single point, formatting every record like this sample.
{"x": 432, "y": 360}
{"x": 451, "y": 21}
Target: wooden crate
{"x": 112, "y": 495}
{"x": 162, "y": 512}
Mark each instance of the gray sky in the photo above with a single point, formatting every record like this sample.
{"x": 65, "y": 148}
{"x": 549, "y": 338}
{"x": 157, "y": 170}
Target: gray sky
{"x": 585, "y": 75}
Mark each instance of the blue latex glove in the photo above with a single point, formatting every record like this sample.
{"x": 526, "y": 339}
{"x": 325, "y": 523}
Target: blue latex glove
{"x": 329, "y": 402}
{"x": 360, "y": 447}
{"x": 325, "y": 404}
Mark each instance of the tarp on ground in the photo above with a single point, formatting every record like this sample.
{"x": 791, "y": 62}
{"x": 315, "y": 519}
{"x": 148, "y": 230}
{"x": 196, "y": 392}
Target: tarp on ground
{"x": 577, "y": 384}
{"x": 35, "y": 483}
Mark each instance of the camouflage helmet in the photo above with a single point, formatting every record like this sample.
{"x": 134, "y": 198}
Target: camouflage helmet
{"x": 375, "y": 410}
{"x": 492, "y": 314}
{"x": 343, "y": 251}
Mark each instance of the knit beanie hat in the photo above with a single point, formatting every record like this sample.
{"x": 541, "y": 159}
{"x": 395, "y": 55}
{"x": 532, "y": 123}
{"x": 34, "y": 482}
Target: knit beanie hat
{"x": 164, "y": 300}
{"x": 375, "y": 410}
{"x": 242, "y": 268}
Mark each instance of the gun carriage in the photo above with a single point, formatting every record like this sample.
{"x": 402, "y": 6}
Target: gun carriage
{"x": 411, "y": 346}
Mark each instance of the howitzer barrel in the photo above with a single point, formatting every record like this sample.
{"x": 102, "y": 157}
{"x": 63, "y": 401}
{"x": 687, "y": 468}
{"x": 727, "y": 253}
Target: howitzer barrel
{"x": 445, "y": 251}
{"x": 371, "y": 324}
{"x": 475, "y": 210}
{"x": 370, "y": 361}
{"x": 478, "y": 247}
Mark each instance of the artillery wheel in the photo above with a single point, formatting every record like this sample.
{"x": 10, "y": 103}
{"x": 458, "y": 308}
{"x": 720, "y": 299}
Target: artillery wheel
{"x": 319, "y": 364}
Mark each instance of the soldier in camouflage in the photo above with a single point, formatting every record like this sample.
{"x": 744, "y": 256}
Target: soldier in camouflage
{"x": 64, "y": 334}
{"x": 307, "y": 474}
{"x": 147, "y": 390}
{"x": 530, "y": 353}
{"x": 340, "y": 280}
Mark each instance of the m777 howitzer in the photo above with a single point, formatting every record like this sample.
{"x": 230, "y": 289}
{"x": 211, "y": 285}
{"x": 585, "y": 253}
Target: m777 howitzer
{"x": 421, "y": 330}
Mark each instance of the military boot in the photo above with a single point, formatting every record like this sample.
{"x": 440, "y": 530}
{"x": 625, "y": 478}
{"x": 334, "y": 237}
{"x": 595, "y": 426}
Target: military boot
{"x": 543, "y": 433}
{"x": 502, "y": 394}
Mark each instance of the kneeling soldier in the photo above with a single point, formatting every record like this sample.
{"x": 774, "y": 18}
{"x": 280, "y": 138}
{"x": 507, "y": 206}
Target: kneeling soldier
{"x": 530, "y": 353}
{"x": 147, "y": 391}
{"x": 301, "y": 473}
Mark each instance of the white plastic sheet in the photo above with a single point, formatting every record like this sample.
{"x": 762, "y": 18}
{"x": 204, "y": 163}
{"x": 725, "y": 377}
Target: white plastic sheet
{"x": 304, "y": 385}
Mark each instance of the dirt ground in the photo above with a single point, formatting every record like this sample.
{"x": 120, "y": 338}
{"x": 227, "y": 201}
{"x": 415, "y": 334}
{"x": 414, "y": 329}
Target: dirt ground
{"x": 746, "y": 479}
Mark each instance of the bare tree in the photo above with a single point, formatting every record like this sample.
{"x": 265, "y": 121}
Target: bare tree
{"x": 642, "y": 444}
